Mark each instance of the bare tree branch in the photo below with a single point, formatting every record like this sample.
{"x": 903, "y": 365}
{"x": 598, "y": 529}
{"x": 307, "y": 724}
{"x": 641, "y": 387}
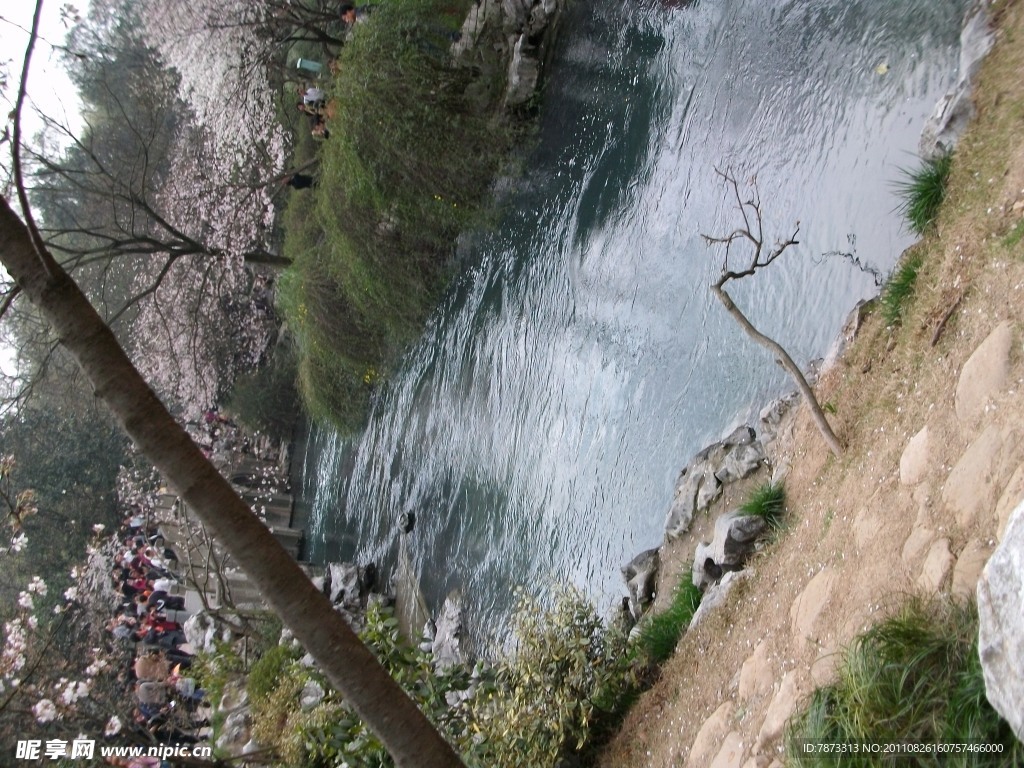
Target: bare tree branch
{"x": 751, "y": 210}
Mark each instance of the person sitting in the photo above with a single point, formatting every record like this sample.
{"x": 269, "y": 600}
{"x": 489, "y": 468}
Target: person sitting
{"x": 152, "y": 666}
{"x": 160, "y": 600}
{"x": 300, "y": 180}
{"x": 320, "y": 129}
{"x": 352, "y": 15}
{"x": 313, "y": 97}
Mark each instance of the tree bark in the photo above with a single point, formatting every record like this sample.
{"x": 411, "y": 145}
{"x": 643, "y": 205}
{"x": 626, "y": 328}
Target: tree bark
{"x": 787, "y": 362}
{"x": 351, "y": 667}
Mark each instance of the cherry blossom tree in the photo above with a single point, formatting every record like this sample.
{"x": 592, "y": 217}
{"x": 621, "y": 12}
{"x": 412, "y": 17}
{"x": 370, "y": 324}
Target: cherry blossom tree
{"x": 349, "y": 665}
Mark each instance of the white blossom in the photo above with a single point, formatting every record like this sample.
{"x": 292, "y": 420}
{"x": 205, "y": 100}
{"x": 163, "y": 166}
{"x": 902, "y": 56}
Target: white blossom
{"x": 73, "y": 692}
{"x": 25, "y": 601}
{"x": 113, "y": 727}
{"x": 38, "y": 586}
{"x": 71, "y": 593}
{"x": 44, "y": 710}
{"x": 18, "y": 542}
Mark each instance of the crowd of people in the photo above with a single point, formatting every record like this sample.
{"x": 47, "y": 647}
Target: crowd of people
{"x": 167, "y": 703}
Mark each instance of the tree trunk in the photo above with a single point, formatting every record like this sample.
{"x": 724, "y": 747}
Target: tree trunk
{"x": 351, "y": 667}
{"x": 787, "y": 362}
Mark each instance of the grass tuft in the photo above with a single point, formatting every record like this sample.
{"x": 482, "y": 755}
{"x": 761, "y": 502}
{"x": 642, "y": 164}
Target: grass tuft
{"x": 914, "y": 678}
{"x": 767, "y": 501}
{"x": 923, "y": 191}
{"x": 900, "y": 288}
{"x": 661, "y": 633}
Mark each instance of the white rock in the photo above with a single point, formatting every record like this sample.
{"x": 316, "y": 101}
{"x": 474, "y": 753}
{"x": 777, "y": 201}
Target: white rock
{"x": 985, "y": 374}
{"x": 915, "y": 459}
{"x": 1001, "y": 619}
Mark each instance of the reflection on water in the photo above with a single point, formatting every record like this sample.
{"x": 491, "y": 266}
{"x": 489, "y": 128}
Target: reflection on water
{"x": 538, "y": 428}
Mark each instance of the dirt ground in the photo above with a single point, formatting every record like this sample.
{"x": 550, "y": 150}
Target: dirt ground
{"x": 862, "y": 534}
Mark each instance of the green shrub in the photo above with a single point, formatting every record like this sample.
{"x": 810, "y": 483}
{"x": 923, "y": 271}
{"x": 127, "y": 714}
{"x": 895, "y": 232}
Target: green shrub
{"x": 915, "y": 677}
{"x": 567, "y": 671}
{"x": 900, "y": 288}
{"x": 266, "y": 673}
{"x": 213, "y": 671}
{"x": 923, "y": 191}
{"x": 661, "y": 632}
{"x": 767, "y": 501}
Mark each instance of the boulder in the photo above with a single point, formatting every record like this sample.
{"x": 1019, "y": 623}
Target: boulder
{"x": 779, "y": 711}
{"x": 967, "y": 571}
{"x": 200, "y": 631}
{"x": 915, "y": 461}
{"x": 350, "y": 585}
{"x": 696, "y": 490}
{"x": 954, "y": 111}
{"x": 482, "y": 16}
{"x": 312, "y": 694}
{"x": 523, "y": 72}
{"x": 1001, "y": 624}
{"x": 709, "y": 738}
{"x": 235, "y": 733}
{"x": 447, "y": 644}
{"x": 716, "y": 595}
{"x": 978, "y": 479}
{"x": 700, "y": 482}
{"x": 937, "y": 566}
{"x": 805, "y": 610}
{"x": 733, "y": 542}
{"x": 735, "y": 537}
{"x": 741, "y": 461}
{"x": 985, "y": 374}
{"x": 640, "y": 574}
{"x": 731, "y": 753}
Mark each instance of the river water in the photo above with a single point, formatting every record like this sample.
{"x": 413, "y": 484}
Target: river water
{"x": 538, "y": 428}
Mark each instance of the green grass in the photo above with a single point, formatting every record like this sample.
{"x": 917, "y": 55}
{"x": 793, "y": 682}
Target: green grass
{"x": 406, "y": 169}
{"x": 899, "y": 289}
{"x": 767, "y": 501}
{"x": 914, "y": 678}
{"x": 661, "y": 632}
{"x": 923, "y": 191}
{"x": 1015, "y": 235}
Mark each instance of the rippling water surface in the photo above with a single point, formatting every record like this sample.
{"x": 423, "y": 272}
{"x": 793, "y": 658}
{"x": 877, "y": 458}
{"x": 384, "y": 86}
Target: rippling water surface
{"x": 539, "y": 426}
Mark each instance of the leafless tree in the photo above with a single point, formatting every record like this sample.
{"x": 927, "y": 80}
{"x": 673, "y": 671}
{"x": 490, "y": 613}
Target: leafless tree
{"x": 752, "y": 233}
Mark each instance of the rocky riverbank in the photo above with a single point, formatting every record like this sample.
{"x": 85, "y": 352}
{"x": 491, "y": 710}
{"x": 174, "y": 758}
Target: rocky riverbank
{"x": 926, "y": 491}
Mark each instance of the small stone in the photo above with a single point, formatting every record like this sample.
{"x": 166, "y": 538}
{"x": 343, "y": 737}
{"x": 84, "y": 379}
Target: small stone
{"x": 919, "y": 539}
{"x": 756, "y": 675}
{"x": 979, "y": 477}
{"x": 1009, "y": 500}
{"x": 709, "y": 737}
{"x": 823, "y": 670}
{"x": 969, "y": 565}
{"x": 985, "y": 374}
{"x": 808, "y": 606}
{"x": 779, "y": 712}
{"x": 937, "y": 566}
{"x": 731, "y": 753}
{"x": 914, "y": 462}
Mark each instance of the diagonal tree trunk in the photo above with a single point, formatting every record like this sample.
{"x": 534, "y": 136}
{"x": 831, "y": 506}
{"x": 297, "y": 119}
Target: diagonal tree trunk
{"x": 351, "y": 667}
{"x": 787, "y": 362}
{"x": 753, "y": 234}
